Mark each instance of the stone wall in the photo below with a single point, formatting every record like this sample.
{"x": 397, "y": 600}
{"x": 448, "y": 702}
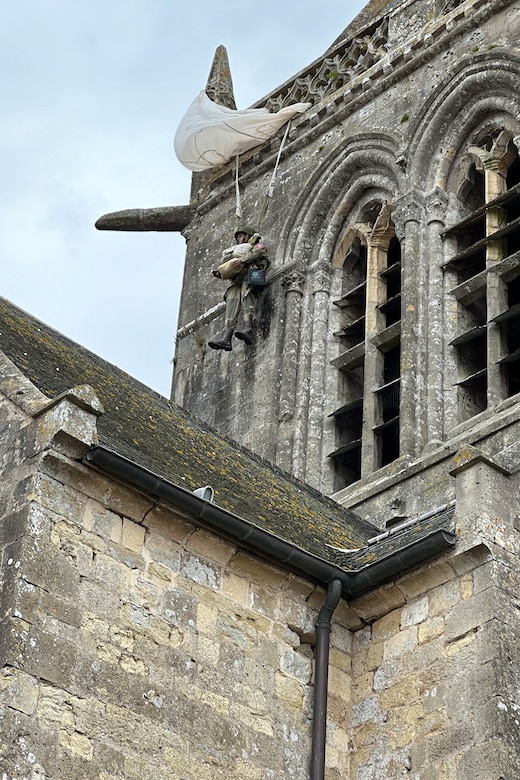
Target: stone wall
{"x": 135, "y": 644}
{"x": 435, "y": 670}
{"x": 434, "y": 687}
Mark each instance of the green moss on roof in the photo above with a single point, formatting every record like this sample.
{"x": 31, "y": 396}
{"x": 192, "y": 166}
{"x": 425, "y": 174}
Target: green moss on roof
{"x": 155, "y": 433}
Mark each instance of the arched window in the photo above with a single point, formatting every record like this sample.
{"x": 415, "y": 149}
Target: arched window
{"x": 367, "y": 417}
{"x": 351, "y": 361}
{"x": 485, "y": 273}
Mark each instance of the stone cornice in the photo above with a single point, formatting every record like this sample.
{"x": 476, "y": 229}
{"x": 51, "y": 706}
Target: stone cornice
{"x": 367, "y": 55}
{"x": 389, "y": 70}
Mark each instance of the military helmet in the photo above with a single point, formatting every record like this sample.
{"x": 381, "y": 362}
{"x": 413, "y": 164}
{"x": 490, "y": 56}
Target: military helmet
{"x": 247, "y": 229}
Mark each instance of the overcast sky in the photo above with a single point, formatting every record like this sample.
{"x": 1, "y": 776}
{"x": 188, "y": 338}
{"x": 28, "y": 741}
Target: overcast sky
{"x": 91, "y": 95}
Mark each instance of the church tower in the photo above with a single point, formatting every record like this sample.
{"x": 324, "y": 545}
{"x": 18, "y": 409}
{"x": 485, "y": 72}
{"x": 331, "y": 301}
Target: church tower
{"x": 169, "y": 597}
{"x": 390, "y": 317}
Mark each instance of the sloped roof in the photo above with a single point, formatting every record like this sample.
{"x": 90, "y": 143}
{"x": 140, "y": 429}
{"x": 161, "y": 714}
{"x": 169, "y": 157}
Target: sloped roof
{"x": 156, "y": 434}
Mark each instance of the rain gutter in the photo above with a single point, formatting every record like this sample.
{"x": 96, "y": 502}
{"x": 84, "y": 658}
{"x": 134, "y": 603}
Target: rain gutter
{"x": 263, "y": 542}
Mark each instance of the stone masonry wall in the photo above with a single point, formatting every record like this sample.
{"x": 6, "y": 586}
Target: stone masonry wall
{"x": 135, "y": 644}
{"x": 435, "y": 670}
{"x": 138, "y": 645}
{"x": 434, "y": 683}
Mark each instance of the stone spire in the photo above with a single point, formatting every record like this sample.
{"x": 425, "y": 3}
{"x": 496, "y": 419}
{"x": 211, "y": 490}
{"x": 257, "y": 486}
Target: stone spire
{"x": 220, "y": 84}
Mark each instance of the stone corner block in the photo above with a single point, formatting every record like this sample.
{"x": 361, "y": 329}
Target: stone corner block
{"x": 69, "y": 422}
{"x": 468, "y": 456}
{"x": 377, "y": 603}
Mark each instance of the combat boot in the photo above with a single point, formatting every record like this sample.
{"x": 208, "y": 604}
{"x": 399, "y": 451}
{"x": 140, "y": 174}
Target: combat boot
{"x": 224, "y": 342}
{"x": 247, "y": 335}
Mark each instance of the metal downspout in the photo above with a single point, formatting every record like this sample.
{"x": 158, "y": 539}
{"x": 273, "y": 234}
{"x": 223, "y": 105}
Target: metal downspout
{"x": 321, "y": 677}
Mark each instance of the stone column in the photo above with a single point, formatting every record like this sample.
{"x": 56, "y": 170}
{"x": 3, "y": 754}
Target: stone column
{"x": 378, "y": 241}
{"x": 437, "y": 366}
{"x": 494, "y": 163}
{"x": 409, "y": 217}
{"x": 320, "y": 280}
{"x": 293, "y": 283}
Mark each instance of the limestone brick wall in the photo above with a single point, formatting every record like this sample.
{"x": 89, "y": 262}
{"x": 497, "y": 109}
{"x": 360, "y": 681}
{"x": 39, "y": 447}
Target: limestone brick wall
{"x": 138, "y": 645}
{"x": 435, "y": 676}
{"x": 134, "y": 643}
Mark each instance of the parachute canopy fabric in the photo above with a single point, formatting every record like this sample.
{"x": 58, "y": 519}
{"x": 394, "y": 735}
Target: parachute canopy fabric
{"x": 210, "y": 134}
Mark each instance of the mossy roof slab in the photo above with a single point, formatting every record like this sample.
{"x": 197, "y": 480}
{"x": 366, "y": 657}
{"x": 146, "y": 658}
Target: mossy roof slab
{"x": 153, "y": 432}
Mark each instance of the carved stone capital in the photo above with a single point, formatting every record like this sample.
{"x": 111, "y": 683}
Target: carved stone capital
{"x": 293, "y": 281}
{"x": 383, "y": 229}
{"x": 409, "y": 208}
{"x": 320, "y": 277}
{"x": 436, "y": 203}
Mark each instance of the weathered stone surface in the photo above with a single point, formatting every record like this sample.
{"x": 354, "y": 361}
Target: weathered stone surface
{"x": 41, "y": 564}
{"x": 136, "y": 644}
{"x": 370, "y": 607}
{"x": 19, "y": 690}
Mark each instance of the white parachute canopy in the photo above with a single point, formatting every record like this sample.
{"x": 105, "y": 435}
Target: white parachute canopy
{"x": 210, "y": 134}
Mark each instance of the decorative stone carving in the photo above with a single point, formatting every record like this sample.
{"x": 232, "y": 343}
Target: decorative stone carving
{"x": 320, "y": 279}
{"x": 436, "y": 204}
{"x": 451, "y": 5}
{"x": 293, "y": 282}
{"x": 343, "y": 63}
{"x": 409, "y": 208}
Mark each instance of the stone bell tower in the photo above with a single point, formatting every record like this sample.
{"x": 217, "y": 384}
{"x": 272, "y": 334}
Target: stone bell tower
{"x": 375, "y": 341}
{"x": 385, "y": 371}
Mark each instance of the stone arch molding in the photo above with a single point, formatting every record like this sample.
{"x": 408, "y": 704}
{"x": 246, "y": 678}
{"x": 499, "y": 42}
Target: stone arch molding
{"x": 357, "y": 231}
{"x": 360, "y": 171}
{"x": 482, "y": 95}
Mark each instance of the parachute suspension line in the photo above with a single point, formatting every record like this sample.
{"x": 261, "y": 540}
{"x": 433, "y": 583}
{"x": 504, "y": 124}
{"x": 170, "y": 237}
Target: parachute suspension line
{"x": 270, "y": 189}
{"x": 238, "y": 207}
{"x": 273, "y": 177}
